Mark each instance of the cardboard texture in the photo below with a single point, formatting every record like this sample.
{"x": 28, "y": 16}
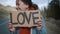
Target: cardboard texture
{"x": 25, "y": 18}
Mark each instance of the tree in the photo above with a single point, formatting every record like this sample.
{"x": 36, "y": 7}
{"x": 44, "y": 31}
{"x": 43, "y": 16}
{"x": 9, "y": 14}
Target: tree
{"x": 54, "y": 9}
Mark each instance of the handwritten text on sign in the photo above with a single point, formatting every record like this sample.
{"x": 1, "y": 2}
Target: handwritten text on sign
{"x": 25, "y": 18}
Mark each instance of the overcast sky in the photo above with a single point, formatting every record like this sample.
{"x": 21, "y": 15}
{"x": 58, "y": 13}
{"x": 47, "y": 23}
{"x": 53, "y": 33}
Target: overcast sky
{"x": 40, "y": 3}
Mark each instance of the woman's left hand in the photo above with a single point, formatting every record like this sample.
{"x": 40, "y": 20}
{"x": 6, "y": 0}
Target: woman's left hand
{"x": 39, "y": 25}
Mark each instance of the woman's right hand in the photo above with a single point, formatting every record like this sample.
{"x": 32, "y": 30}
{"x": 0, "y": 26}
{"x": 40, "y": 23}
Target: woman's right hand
{"x": 11, "y": 28}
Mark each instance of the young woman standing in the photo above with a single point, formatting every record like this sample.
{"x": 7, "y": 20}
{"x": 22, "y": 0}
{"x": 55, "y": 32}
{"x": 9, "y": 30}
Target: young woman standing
{"x": 25, "y": 5}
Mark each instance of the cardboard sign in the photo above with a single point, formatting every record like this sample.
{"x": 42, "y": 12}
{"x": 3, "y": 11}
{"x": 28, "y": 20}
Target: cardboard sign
{"x": 25, "y": 18}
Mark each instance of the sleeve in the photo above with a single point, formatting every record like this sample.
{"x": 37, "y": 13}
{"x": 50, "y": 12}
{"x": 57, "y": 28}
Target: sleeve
{"x": 43, "y": 29}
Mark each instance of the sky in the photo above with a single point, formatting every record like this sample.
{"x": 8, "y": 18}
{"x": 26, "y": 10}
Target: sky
{"x": 40, "y": 3}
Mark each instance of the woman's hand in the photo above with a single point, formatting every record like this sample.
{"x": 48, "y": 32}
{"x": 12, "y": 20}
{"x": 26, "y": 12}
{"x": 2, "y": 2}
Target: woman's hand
{"x": 11, "y": 28}
{"x": 39, "y": 25}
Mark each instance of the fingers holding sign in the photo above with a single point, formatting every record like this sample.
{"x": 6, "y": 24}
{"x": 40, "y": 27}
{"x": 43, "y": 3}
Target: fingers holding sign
{"x": 11, "y": 28}
{"x": 40, "y": 24}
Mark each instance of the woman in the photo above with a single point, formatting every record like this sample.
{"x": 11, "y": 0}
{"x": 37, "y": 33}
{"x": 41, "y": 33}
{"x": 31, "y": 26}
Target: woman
{"x": 25, "y": 5}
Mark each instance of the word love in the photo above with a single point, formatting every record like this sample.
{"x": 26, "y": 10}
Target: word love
{"x": 25, "y": 18}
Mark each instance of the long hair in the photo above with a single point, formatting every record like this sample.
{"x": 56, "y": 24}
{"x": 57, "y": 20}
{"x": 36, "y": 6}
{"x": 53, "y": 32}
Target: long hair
{"x": 27, "y": 2}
